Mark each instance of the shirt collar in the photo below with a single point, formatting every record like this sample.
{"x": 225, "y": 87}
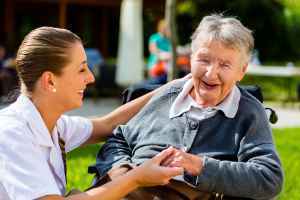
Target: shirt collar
{"x": 25, "y": 108}
{"x": 181, "y": 103}
{"x": 184, "y": 102}
{"x": 230, "y": 104}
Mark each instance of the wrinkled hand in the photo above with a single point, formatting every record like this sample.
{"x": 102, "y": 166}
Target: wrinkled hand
{"x": 152, "y": 173}
{"x": 192, "y": 164}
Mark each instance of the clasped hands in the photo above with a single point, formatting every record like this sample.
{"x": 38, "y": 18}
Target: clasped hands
{"x": 162, "y": 167}
{"x": 192, "y": 164}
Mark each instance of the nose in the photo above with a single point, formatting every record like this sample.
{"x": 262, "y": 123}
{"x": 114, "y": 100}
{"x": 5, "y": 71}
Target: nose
{"x": 90, "y": 77}
{"x": 211, "y": 71}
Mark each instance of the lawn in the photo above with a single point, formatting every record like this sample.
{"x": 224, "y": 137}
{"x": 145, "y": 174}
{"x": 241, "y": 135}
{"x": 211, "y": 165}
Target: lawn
{"x": 78, "y": 162}
{"x": 288, "y": 144}
{"x": 287, "y": 141}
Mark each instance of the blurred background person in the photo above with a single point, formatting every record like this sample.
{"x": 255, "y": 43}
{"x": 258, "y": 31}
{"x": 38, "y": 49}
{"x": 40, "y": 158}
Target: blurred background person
{"x": 160, "y": 54}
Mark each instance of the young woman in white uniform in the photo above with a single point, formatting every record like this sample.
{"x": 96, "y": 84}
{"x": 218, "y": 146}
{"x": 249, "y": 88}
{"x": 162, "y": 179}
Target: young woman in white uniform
{"x": 53, "y": 73}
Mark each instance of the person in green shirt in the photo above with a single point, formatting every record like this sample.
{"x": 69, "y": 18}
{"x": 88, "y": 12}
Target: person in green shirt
{"x": 160, "y": 54}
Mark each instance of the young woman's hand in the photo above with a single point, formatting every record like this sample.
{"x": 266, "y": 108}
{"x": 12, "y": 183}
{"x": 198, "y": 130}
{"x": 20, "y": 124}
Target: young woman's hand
{"x": 153, "y": 173}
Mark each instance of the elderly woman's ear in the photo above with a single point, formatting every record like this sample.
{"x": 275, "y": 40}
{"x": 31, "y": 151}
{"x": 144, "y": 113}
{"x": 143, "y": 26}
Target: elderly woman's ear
{"x": 244, "y": 70}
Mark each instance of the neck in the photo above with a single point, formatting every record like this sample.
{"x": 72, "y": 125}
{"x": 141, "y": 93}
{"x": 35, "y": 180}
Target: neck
{"x": 49, "y": 114}
{"x": 202, "y": 102}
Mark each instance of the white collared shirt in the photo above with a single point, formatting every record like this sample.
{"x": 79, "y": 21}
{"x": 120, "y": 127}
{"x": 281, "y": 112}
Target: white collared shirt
{"x": 185, "y": 103}
{"x": 31, "y": 164}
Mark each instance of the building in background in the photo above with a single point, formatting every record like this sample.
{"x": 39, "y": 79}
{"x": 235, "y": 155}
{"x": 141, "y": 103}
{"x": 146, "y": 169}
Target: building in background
{"x": 96, "y": 21}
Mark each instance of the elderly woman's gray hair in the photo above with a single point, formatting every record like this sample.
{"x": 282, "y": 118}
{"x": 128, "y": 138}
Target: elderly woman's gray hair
{"x": 227, "y": 30}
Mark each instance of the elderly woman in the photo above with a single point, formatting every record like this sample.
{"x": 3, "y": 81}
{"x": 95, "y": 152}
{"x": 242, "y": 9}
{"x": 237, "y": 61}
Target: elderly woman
{"x": 220, "y": 133}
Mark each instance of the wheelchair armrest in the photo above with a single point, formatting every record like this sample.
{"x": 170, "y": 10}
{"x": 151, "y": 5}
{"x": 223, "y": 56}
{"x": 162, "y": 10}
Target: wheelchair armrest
{"x": 271, "y": 114}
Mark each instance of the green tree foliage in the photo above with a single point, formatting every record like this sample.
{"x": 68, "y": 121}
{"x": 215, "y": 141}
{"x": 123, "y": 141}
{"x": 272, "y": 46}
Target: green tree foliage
{"x": 292, "y": 15}
{"x": 276, "y": 35}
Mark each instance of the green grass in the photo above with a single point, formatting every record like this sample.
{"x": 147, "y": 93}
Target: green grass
{"x": 288, "y": 145}
{"x": 77, "y": 164}
{"x": 287, "y": 142}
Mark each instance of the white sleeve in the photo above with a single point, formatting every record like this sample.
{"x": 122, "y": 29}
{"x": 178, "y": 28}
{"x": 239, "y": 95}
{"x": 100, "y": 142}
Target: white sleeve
{"x": 25, "y": 173}
{"x": 74, "y": 130}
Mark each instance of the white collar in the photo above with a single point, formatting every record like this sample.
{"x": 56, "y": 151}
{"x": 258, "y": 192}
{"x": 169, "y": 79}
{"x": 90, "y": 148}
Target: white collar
{"x": 184, "y": 102}
{"x": 25, "y": 108}
{"x": 230, "y": 104}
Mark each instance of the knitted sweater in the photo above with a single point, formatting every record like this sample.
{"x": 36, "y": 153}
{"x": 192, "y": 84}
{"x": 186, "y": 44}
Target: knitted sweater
{"x": 239, "y": 155}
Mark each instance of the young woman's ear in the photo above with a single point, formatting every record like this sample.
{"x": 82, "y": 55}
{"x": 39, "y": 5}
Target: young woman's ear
{"x": 47, "y": 81}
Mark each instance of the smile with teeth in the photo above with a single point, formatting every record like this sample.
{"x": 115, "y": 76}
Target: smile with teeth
{"x": 209, "y": 86}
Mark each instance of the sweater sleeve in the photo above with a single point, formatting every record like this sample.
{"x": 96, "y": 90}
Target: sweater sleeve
{"x": 257, "y": 174}
{"x": 115, "y": 152}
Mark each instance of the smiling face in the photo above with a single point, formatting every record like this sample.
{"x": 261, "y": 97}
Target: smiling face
{"x": 73, "y": 80}
{"x": 215, "y": 70}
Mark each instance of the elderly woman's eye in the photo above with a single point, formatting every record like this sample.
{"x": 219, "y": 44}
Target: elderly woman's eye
{"x": 203, "y": 61}
{"x": 227, "y": 66}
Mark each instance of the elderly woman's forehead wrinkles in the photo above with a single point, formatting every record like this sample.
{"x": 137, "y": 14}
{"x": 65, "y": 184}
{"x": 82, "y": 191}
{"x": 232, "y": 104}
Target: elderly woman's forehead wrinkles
{"x": 203, "y": 51}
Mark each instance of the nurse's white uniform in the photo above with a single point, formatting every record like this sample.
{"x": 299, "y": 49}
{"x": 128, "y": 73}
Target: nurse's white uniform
{"x": 31, "y": 164}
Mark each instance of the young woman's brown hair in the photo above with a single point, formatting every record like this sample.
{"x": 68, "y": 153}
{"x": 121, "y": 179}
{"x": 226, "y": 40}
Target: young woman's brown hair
{"x": 43, "y": 49}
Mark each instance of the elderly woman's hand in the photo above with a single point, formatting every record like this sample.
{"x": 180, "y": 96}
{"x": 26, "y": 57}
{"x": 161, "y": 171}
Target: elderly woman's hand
{"x": 153, "y": 173}
{"x": 192, "y": 164}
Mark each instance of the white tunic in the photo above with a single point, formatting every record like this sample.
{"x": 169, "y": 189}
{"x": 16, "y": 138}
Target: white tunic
{"x": 31, "y": 164}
